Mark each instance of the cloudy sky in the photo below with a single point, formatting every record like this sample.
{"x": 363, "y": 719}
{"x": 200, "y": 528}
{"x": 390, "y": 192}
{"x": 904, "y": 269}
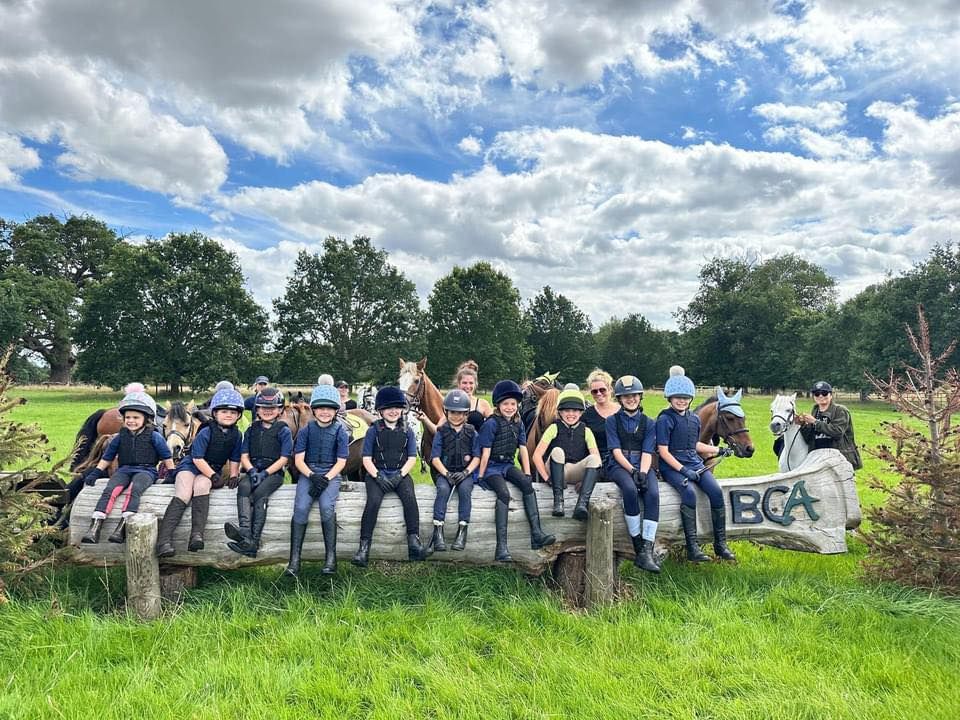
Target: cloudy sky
{"x": 606, "y": 148}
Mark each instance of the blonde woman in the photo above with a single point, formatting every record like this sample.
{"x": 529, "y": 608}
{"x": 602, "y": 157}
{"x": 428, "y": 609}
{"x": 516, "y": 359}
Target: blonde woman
{"x": 600, "y": 384}
{"x": 466, "y": 379}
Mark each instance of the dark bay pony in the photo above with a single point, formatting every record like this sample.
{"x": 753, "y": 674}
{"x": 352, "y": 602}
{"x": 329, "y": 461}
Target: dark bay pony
{"x": 422, "y": 396}
{"x": 722, "y": 417}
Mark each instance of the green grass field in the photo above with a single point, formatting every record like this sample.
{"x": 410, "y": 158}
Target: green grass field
{"x": 779, "y": 635}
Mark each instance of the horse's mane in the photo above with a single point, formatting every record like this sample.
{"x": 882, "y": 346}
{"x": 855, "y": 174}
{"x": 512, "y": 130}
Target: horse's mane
{"x": 96, "y": 452}
{"x": 546, "y": 414}
{"x": 85, "y": 438}
{"x": 709, "y": 401}
{"x": 178, "y": 412}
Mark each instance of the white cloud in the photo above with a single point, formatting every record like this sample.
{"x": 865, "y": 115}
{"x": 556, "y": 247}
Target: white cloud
{"x": 739, "y": 90}
{"x": 470, "y": 145}
{"x": 584, "y": 200}
{"x": 833, "y": 145}
{"x": 13, "y": 157}
{"x": 822, "y": 116}
{"x": 912, "y": 137}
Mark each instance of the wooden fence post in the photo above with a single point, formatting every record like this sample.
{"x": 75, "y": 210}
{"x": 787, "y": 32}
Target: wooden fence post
{"x": 143, "y": 569}
{"x": 600, "y": 566}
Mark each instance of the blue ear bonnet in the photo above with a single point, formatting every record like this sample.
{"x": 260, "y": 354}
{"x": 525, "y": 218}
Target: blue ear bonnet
{"x": 730, "y": 404}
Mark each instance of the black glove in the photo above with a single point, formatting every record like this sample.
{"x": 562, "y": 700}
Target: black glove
{"x": 256, "y": 477}
{"x": 640, "y": 480}
{"x": 688, "y": 474}
{"x": 383, "y": 482}
{"x": 725, "y": 452}
{"x": 318, "y": 483}
{"x": 93, "y": 475}
{"x": 233, "y": 481}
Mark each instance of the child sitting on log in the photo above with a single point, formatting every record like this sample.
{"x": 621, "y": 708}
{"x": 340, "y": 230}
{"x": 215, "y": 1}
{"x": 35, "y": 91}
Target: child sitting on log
{"x": 501, "y": 435}
{"x": 138, "y": 447}
{"x": 320, "y": 455}
{"x": 573, "y": 454}
{"x": 266, "y": 450}
{"x": 455, "y": 458}
{"x": 681, "y": 465}
{"x": 632, "y": 441}
{"x": 217, "y": 443}
{"x": 389, "y": 453}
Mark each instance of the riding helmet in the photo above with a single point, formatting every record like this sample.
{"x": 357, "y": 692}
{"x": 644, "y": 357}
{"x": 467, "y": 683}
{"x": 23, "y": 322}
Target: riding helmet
{"x": 821, "y": 386}
{"x": 139, "y": 402}
{"x": 390, "y": 396}
{"x": 226, "y": 400}
{"x": 457, "y": 400}
{"x": 325, "y": 396}
{"x": 505, "y": 390}
{"x": 678, "y": 384}
{"x": 628, "y": 385}
{"x": 269, "y": 397}
{"x": 570, "y": 400}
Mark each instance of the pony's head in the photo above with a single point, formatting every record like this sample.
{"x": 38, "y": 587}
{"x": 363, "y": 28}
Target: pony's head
{"x": 411, "y": 375}
{"x": 783, "y": 410}
{"x": 731, "y": 423}
{"x": 179, "y": 427}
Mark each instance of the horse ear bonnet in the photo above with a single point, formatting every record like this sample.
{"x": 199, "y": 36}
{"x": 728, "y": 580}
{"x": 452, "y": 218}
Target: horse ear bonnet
{"x": 506, "y": 389}
{"x": 389, "y": 397}
{"x": 678, "y": 384}
{"x": 325, "y": 396}
{"x": 139, "y": 401}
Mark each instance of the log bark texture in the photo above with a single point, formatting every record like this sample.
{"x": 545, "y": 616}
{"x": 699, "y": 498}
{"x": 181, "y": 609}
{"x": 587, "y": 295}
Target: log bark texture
{"x": 823, "y": 484}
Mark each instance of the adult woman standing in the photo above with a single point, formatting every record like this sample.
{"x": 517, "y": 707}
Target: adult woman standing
{"x": 466, "y": 379}
{"x": 600, "y": 384}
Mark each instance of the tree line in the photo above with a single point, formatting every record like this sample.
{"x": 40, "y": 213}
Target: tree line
{"x": 94, "y": 307}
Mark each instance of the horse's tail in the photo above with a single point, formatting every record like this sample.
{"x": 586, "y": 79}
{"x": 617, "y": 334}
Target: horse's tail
{"x": 85, "y": 439}
{"x": 545, "y": 415}
{"x": 96, "y": 452}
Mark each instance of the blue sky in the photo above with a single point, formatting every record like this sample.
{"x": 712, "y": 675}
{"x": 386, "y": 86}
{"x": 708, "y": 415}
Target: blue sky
{"x": 607, "y": 149}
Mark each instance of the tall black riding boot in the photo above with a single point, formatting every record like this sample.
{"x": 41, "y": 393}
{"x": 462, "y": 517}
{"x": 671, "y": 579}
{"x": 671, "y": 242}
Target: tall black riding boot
{"x": 644, "y": 554}
{"x": 93, "y": 534}
{"x": 119, "y": 535}
{"x": 538, "y": 538}
{"x": 329, "y": 545}
{"x": 718, "y": 515}
{"x": 460, "y": 541}
{"x": 688, "y": 517}
{"x": 241, "y": 531}
{"x": 436, "y": 541}
{"x": 415, "y": 548}
{"x": 363, "y": 553}
{"x": 251, "y": 543}
{"x": 557, "y": 483}
{"x": 171, "y": 518}
{"x": 500, "y": 520}
{"x": 590, "y": 477}
{"x": 198, "y": 521}
{"x": 297, "y": 532}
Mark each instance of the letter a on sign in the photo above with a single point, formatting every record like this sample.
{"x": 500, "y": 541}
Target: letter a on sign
{"x": 799, "y": 496}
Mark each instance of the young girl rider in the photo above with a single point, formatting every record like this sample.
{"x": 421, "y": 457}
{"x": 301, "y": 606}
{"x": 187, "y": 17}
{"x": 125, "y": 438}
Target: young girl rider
{"x": 216, "y": 444}
{"x": 138, "y": 447}
{"x": 631, "y": 440}
{"x": 320, "y": 455}
{"x": 572, "y": 451}
{"x": 681, "y": 465}
{"x": 266, "y": 450}
{"x": 389, "y": 453}
{"x": 501, "y": 435}
{"x": 455, "y": 457}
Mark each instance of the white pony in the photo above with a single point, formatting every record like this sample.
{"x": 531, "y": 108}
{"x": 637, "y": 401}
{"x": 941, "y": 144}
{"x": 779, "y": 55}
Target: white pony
{"x": 784, "y": 426}
{"x": 366, "y": 398}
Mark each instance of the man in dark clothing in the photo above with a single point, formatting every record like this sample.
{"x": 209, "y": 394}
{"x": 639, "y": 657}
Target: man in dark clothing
{"x": 829, "y": 425}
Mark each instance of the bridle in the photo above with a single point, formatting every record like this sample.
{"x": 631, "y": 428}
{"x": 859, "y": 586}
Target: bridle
{"x": 725, "y": 431}
{"x": 787, "y": 419}
{"x": 415, "y": 399}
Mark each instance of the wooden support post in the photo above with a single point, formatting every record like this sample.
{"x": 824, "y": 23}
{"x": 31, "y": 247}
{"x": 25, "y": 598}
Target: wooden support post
{"x": 599, "y": 566}
{"x": 174, "y": 579}
{"x": 143, "y": 570}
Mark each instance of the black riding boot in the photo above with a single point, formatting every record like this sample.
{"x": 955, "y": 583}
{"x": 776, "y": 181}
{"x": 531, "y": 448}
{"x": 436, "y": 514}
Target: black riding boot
{"x": 93, "y": 534}
{"x": 241, "y": 531}
{"x": 538, "y": 538}
{"x": 460, "y": 541}
{"x": 436, "y": 542}
{"x": 297, "y": 532}
{"x": 720, "y": 534}
{"x": 198, "y": 521}
{"x": 415, "y": 548}
{"x": 688, "y": 517}
{"x": 644, "y": 554}
{"x": 329, "y": 545}
{"x": 251, "y": 543}
{"x": 363, "y": 553}
{"x": 171, "y": 518}
{"x": 500, "y": 520}
{"x": 590, "y": 477}
{"x": 557, "y": 483}
{"x": 119, "y": 535}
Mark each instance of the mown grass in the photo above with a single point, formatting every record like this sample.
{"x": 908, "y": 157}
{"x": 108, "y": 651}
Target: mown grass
{"x": 779, "y": 635}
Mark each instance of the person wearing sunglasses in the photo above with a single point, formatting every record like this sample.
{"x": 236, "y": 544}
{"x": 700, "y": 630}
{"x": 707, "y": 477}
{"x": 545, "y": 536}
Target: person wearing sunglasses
{"x": 829, "y": 425}
{"x": 604, "y": 405}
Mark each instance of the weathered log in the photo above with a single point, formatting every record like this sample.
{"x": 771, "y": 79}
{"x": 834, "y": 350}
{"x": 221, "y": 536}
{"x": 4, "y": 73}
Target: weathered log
{"x": 806, "y": 509}
{"x": 599, "y": 557}
{"x": 174, "y": 579}
{"x": 143, "y": 570}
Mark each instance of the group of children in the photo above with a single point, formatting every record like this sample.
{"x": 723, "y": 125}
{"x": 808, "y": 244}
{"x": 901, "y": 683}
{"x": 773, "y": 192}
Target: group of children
{"x": 626, "y": 452}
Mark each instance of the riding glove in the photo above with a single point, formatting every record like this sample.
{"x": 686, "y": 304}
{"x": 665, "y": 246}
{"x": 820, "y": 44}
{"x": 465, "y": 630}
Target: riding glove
{"x": 232, "y": 481}
{"x": 455, "y": 478}
{"x": 318, "y": 483}
{"x": 256, "y": 477}
{"x": 640, "y": 480}
{"x": 93, "y": 475}
{"x": 725, "y": 452}
{"x": 383, "y": 482}
{"x": 689, "y": 474}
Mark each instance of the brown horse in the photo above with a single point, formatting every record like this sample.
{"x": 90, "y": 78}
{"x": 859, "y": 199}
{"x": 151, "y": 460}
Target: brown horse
{"x": 422, "y": 396}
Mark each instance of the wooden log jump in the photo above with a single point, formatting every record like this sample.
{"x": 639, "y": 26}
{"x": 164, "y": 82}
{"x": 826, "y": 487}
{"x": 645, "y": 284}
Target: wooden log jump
{"x": 807, "y": 509}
